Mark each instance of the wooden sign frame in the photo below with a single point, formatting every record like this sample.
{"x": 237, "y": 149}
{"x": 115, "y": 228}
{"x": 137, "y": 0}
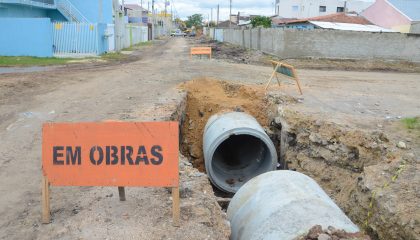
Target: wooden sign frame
{"x": 200, "y": 51}
{"x": 46, "y": 209}
{"x": 52, "y": 133}
{"x": 276, "y": 65}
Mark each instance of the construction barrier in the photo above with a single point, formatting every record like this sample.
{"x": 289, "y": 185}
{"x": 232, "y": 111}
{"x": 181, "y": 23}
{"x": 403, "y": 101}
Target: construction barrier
{"x": 200, "y": 51}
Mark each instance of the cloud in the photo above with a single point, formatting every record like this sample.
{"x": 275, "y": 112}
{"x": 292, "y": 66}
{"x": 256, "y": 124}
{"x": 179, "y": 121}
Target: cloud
{"x": 184, "y": 8}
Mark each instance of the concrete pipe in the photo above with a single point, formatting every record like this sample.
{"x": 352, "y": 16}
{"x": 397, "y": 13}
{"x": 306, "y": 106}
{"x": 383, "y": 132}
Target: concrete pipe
{"x": 283, "y": 205}
{"x": 236, "y": 149}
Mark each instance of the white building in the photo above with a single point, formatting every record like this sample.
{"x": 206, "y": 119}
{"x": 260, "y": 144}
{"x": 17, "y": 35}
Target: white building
{"x": 314, "y": 8}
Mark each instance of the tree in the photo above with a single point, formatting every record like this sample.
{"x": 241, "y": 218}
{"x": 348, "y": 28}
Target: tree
{"x": 194, "y": 20}
{"x": 261, "y": 21}
{"x": 180, "y": 23}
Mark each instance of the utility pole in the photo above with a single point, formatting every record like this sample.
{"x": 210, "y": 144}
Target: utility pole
{"x": 117, "y": 26}
{"x": 218, "y": 9}
{"x": 153, "y": 19}
{"x": 211, "y": 18}
{"x": 166, "y": 6}
{"x": 230, "y": 13}
{"x": 141, "y": 3}
{"x": 148, "y": 6}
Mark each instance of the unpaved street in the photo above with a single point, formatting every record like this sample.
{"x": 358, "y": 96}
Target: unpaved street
{"x": 145, "y": 90}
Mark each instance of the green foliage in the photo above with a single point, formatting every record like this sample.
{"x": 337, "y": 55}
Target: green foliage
{"x": 261, "y": 21}
{"x": 411, "y": 123}
{"x": 32, "y": 61}
{"x": 180, "y": 23}
{"x": 195, "y": 20}
{"x": 138, "y": 46}
{"x": 212, "y": 24}
{"x": 114, "y": 56}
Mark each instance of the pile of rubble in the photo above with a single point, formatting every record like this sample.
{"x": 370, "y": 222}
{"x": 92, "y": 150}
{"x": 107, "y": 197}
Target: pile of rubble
{"x": 317, "y": 233}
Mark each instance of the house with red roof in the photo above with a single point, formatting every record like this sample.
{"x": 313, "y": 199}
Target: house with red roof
{"x": 335, "y": 21}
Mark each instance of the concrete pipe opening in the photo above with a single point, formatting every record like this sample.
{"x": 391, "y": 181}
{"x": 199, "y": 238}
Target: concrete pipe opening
{"x": 236, "y": 149}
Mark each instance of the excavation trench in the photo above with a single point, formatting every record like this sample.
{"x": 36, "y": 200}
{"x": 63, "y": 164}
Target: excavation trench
{"x": 334, "y": 156}
{"x": 238, "y": 150}
{"x": 208, "y": 97}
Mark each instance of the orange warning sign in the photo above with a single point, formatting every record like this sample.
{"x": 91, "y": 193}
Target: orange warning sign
{"x": 111, "y": 154}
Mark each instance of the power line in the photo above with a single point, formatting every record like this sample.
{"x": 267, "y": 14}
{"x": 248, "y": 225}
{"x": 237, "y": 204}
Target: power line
{"x": 230, "y": 13}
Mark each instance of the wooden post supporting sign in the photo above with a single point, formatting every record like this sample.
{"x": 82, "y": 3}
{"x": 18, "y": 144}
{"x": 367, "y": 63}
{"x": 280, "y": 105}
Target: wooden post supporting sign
{"x": 46, "y": 217}
{"x": 286, "y": 70}
{"x": 110, "y": 154}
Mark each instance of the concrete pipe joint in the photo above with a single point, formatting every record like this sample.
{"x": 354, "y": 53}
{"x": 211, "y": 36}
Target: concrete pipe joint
{"x": 236, "y": 149}
{"x": 283, "y": 205}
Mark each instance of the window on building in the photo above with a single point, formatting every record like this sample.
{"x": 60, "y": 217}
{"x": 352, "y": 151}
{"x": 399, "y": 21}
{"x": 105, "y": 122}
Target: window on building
{"x": 295, "y": 8}
{"x": 322, "y": 8}
{"x": 340, "y": 9}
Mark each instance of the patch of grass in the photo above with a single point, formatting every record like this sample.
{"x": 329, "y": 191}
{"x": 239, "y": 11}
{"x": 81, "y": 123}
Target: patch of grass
{"x": 137, "y": 46}
{"x": 113, "y": 56}
{"x": 31, "y": 61}
{"x": 411, "y": 123}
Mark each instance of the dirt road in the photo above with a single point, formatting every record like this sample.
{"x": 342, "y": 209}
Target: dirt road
{"x": 134, "y": 92}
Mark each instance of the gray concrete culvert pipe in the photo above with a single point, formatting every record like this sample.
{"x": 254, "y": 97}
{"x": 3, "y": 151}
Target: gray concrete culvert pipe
{"x": 236, "y": 149}
{"x": 283, "y": 205}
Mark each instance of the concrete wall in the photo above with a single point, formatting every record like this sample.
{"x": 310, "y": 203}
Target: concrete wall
{"x": 26, "y": 37}
{"x": 289, "y": 43}
{"x": 415, "y": 27}
{"x": 134, "y": 35}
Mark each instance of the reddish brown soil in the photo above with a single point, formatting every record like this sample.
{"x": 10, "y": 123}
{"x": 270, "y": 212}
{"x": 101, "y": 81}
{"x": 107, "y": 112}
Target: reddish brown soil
{"x": 207, "y": 97}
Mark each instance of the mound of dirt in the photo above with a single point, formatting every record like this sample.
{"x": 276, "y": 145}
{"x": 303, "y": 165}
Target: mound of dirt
{"x": 363, "y": 171}
{"x": 207, "y": 97}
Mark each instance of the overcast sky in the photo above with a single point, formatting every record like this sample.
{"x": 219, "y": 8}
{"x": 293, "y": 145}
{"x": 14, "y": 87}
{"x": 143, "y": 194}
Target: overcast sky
{"x": 186, "y": 8}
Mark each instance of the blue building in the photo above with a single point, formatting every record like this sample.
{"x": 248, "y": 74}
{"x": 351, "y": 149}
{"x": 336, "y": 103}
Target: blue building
{"x": 47, "y": 28}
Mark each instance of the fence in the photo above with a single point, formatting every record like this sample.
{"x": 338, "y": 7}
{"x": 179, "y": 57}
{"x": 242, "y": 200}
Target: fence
{"x": 290, "y": 43}
{"x": 218, "y": 35}
{"x": 78, "y": 39}
{"x": 134, "y": 35}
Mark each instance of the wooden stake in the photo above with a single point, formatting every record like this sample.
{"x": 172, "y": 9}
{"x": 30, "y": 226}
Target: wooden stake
{"x": 278, "y": 80}
{"x": 175, "y": 207}
{"x": 121, "y": 192}
{"x": 297, "y": 81}
{"x": 46, "y": 216}
{"x": 272, "y": 76}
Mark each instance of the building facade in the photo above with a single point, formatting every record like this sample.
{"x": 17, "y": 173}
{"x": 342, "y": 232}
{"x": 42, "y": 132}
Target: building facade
{"x": 59, "y": 10}
{"x": 314, "y": 8}
{"x": 59, "y": 28}
{"x": 136, "y": 14}
{"x": 400, "y": 15}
